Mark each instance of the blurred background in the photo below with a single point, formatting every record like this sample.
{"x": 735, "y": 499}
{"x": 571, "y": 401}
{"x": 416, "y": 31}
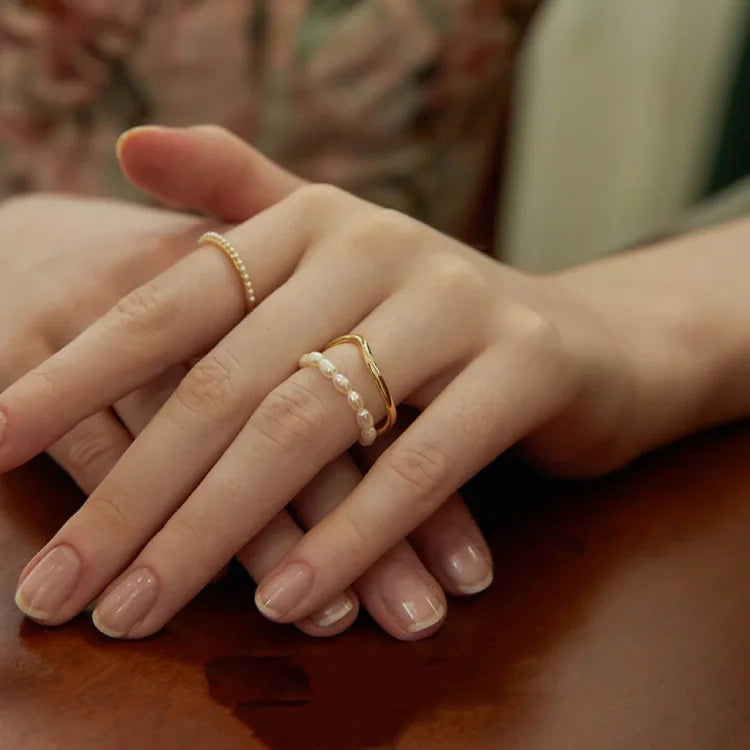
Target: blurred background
{"x": 631, "y": 116}
{"x": 544, "y": 131}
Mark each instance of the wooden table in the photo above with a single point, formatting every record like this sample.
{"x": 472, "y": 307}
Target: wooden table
{"x": 619, "y": 620}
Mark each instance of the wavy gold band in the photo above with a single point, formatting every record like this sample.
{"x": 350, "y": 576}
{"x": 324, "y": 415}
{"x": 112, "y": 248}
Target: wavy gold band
{"x": 369, "y": 359}
{"x": 221, "y": 242}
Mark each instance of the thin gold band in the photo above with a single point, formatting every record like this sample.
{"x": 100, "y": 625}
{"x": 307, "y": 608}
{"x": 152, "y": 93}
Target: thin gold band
{"x": 221, "y": 242}
{"x": 385, "y": 393}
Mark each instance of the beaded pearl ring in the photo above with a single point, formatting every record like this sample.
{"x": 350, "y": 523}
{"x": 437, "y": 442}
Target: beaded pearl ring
{"x": 365, "y": 421}
{"x": 222, "y": 243}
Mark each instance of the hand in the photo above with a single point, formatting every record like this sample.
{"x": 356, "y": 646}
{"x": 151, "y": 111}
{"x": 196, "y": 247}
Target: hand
{"x": 47, "y": 310}
{"x": 491, "y": 357}
{"x": 65, "y": 261}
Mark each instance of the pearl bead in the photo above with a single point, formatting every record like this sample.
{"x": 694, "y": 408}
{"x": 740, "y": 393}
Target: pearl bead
{"x": 368, "y": 436}
{"x": 327, "y": 368}
{"x": 315, "y": 357}
{"x": 341, "y": 383}
{"x": 304, "y": 360}
{"x": 355, "y": 401}
{"x": 364, "y": 419}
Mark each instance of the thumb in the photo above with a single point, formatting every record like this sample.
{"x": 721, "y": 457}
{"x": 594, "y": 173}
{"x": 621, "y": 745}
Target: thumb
{"x": 204, "y": 167}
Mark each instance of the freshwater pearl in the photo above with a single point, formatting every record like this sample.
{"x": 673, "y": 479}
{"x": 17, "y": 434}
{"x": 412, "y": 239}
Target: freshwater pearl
{"x": 327, "y": 368}
{"x": 368, "y": 436}
{"x": 355, "y": 400}
{"x": 364, "y": 419}
{"x": 341, "y": 383}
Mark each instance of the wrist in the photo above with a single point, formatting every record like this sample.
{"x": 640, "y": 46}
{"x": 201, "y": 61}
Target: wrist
{"x": 682, "y": 309}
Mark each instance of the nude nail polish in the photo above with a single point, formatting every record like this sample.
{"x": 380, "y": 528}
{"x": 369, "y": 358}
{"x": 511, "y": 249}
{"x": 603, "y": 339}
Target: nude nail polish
{"x": 49, "y": 583}
{"x": 282, "y": 592}
{"x": 127, "y": 604}
{"x": 3, "y": 425}
{"x": 410, "y": 599}
{"x": 336, "y": 610}
{"x": 465, "y": 564}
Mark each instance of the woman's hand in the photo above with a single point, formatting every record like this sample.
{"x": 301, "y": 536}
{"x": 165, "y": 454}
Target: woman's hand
{"x": 79, "y": 256}
{"x": 489, "y": 356}
{"x": 65, "y": 261}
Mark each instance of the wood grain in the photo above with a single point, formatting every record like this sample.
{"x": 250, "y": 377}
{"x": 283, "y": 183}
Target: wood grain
{"x": 619, "y": 620}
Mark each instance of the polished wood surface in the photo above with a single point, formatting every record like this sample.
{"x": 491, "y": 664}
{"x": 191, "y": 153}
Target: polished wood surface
{"x": 619, "y": 620}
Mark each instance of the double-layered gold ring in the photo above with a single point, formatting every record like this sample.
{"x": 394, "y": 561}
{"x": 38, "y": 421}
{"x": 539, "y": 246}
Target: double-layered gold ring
{"x": 368, "y": 430}
{"x": 369, "y": 359}
{"x": 222, "y": 243}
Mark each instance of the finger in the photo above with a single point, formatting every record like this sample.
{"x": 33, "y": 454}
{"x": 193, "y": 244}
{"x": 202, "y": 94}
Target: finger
{"x": 202, "y": 417}
{"x": 453, "y": 549}
{"x": 91, "y": 449}
{"x": 205, "y": 168}
{"x": 399, "y": 593}
{"x": 259, "y": 556}
{"x": 138, "y": 408}
{"x": 449, "y": 542}
{"x": 466, "y": 427}
{"x": 298, "y": 428}
{"x": 180, "y": 313}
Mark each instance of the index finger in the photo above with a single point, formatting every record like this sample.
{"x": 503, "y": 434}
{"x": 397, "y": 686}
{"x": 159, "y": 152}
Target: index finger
{"x": 179, "y": 314}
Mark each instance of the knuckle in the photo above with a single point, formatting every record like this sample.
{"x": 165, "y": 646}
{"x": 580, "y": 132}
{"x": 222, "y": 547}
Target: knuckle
{"x": 210, "y": 386}
{"x": 421, "y": 469}
{"x": 146, "y": 307}
{"x": 289, "y": 416}
{"x": 43, "y": 383}
{"x": 88, "y": 451}
{"x": 533, "y": 332}
{"x": 357, "y": 537}
{"x": 458, "y": 278}
{"x": 188, "y": 536}
{"x": 315, "y": 200}
{"x": 393, "y": 225}
{"x": 384, "y": 232}
{"x": 104, "y": 511}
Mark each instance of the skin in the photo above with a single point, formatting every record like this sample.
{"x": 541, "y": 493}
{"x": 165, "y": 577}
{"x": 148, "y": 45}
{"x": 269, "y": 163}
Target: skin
{"x": 122, "y": 246}
{"x": 582, "y": 371}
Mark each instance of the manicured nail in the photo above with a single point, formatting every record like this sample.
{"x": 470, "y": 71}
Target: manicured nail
{"x": 3, "y": 425}
{"x": 337, "y": 610}
{"x": 127, "y": 604}
{"x": 410, "y": 599}
{"x": 284, "y": 591}
{"x": 50, "y": 582}
{"x": 465, "y": 564}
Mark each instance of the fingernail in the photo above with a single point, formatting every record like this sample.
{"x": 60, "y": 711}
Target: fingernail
{"x": 125, "y": 135}
{"x": 3, "y": 425}
{"x": 410, "y": 599}
{"x": 337, "y": 610}
{"x": 50, "y": 582}
{"x": 127, "y": 604}
{"x": 465, "y": 565}
{"x": 280, "y": 594}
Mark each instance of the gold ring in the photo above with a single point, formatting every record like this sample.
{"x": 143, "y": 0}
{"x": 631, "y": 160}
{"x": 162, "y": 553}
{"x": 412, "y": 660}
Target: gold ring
{"x": 385, "y": 393}
{"x": 218, "y": 240}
